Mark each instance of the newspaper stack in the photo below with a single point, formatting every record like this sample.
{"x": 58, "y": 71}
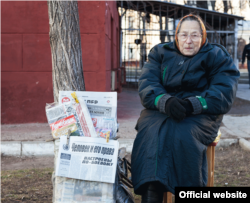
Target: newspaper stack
{"x": 85, "y": 164}
{"x": 85, "y": 170}
{"x": 78, "y": 191}
{"x": 102, "y": 107}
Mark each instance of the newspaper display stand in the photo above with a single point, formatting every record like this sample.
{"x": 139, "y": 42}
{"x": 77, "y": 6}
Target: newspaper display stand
{"x": 85, "y": 168}
{"x": 95, "y": 192}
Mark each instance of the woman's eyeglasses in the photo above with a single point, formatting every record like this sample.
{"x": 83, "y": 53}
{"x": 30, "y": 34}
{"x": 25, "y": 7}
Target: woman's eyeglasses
{"x": 194, "y": 37}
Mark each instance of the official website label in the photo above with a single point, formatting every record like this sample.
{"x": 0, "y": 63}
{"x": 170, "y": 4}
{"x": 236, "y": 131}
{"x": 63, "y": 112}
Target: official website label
{"x": 217, "y": 194}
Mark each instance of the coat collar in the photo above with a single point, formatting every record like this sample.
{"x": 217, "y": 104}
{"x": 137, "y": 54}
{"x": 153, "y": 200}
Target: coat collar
{"x": 172, "y": 46}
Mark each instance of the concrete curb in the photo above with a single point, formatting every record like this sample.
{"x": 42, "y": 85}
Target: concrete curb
{"x": 226, "y": 142}
{"x": 11, "y": 148}
{"x": 245, "y": 145}
{"x": 42, "y": 148}
{"x": 127, "y": 143}
{"x": 27, "y": 148}
{"x": 37, "y": 148}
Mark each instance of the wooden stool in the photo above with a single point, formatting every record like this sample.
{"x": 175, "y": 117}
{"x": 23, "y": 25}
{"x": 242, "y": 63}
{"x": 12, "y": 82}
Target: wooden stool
{"x": 167, "y": 198}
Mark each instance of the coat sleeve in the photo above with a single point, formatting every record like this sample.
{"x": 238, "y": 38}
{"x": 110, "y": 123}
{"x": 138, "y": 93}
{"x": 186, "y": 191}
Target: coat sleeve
{"x": 223, "y": 78}
{"x": 150, "y": 89}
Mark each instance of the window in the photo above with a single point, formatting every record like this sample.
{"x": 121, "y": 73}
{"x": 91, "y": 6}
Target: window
{"x": 229, "y": 5}
{"x": 244, "y": 25}
{"x": 130, "y": 51}
{"x": 191, "y": 3}
{"x": 130, "y": 22}
{"x": 242, "y": 4}
{"x": 209, "y": 5}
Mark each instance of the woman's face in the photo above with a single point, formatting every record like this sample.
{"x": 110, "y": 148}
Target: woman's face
{"x": 189, "y": 47}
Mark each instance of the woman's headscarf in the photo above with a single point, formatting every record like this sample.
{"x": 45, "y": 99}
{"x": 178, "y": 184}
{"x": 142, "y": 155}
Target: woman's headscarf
{"x": 203, "y": 28}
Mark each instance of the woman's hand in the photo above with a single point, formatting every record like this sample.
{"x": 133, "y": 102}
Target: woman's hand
{"x": 175, "y": 109}
{"x": 178, "y": 109}
{"x": 188, "y": 106}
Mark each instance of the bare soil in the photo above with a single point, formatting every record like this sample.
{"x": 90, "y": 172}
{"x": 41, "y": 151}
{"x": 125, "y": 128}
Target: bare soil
{"x": 20, "y": 163}
{"x": 28, "y": 179}
{"x": 232, "y": 167}
{"x": 27, "y": 185}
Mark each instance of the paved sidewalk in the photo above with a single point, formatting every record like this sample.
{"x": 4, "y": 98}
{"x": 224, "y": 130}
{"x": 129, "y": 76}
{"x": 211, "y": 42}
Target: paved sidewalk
{"x": 236, "y": 126}
{"x": 26, "y": 132}
{"x": 129, "y": 109}
{"x": 243, "y": 92}
{"x": 29, "y": 139}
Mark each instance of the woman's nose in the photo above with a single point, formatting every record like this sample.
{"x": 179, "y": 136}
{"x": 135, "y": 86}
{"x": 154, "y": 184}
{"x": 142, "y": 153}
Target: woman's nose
{"x": 188, "y": 40}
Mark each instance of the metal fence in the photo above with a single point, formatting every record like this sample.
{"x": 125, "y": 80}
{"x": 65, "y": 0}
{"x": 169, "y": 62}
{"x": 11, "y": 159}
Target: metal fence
{"x": 147, "y": 23}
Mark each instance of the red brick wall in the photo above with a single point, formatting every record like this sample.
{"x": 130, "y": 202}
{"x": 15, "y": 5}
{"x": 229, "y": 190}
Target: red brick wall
{"x": 112, "y": 35}
{"x": 26, "y": 67}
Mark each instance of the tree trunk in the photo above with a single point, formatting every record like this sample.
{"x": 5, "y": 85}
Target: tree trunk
{"x": 65, "y": 43}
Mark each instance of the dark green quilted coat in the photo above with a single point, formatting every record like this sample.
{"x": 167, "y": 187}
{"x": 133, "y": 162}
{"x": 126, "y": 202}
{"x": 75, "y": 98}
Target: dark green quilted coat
{"x": 175, "y": 153}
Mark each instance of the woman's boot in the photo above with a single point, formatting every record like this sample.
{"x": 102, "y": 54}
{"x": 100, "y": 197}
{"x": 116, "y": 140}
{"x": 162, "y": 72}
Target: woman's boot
{"x": 153, "y": 193}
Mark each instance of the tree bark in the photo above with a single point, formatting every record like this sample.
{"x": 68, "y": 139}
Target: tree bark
{"x": 65, "y": 43}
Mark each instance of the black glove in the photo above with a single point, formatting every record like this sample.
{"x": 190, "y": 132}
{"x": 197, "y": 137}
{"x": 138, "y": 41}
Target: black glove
{"x": 188, "y": 106}
{"x": 174, "y": 108}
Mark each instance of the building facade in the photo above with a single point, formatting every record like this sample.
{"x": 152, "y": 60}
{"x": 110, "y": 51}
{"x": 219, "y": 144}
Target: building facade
{"x": 26, "y": 73}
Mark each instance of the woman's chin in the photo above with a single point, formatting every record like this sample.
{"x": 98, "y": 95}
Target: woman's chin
{"x": 188, "y": 52}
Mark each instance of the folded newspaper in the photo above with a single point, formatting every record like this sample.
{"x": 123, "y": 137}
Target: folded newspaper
{"x": 73, "y": 116}
{"x": 102, "y": 107}
{"x": 87, "y": 158}
{"x": 78, "y": 191}
{"x": 67, "y": 190}
{"x": 103, "y": 104}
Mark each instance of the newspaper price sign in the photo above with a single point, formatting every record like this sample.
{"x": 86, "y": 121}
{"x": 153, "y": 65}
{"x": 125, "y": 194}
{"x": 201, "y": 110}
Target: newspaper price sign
{"x": 87, "y": 158}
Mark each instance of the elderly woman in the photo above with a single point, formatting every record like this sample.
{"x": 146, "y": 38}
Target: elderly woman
{"x": 186, "y": 87}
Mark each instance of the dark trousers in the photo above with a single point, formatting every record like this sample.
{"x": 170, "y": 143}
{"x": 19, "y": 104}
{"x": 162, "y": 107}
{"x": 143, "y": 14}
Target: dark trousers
{"x": 153, "y": 193}
{"x": 248, "y": 67}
